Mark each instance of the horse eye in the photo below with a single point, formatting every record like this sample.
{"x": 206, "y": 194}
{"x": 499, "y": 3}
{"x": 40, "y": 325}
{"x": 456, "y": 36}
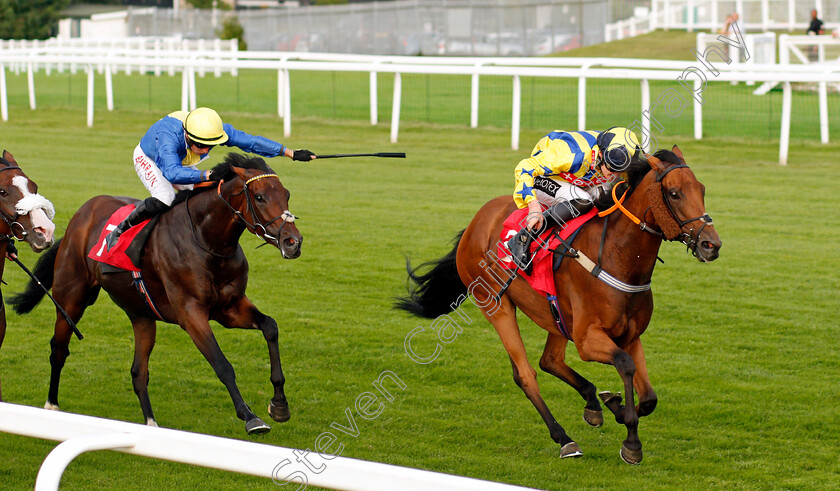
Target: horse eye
{"x": 3, "y": 193}
{"x": 674, "y": 195}
{"x": 259, "y": 198}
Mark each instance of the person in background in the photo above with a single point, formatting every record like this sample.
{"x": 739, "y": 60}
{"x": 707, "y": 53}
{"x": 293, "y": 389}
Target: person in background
{"x": 814, "y": 29}
{"x": 166, "y": 158}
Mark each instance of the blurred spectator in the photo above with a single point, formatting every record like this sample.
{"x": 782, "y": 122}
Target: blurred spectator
{"x": 732, "y": 19}
{"x": 816, "y": 27}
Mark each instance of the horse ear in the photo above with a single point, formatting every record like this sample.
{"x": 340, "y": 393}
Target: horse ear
{"x": 239, "y": 172}
{"x": 678, "y": 153}
{"x": 8, "y": 157}
{"x": 656, "y": 164}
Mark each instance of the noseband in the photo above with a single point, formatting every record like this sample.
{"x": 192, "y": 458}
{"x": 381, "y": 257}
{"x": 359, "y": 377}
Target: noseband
{"x": 257, "y": 227}
{"x": 10, "y": 220}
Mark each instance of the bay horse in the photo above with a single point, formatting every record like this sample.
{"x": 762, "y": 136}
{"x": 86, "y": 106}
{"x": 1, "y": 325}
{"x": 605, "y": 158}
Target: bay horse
{"x": 193, "y": 268}
{"x": 25, "y": 216}
{"x": 603, "y": 322}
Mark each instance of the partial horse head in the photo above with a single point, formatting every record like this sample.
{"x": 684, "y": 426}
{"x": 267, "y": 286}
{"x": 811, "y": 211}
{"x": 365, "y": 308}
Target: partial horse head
{"x": 258, "y": 198}
{"x": 676, "y": 199}
{"x": 26, "y": 214}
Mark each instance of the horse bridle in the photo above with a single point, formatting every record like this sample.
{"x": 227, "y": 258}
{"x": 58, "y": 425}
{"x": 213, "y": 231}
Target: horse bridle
{"x": 257, "y": 227}
{"x": 10, "y": 220}
{"x": 690, "y": 239}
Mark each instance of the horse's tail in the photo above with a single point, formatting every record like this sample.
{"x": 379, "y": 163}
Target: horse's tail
{"x": 436, "y": 292}
{"x": 23, "y": 303}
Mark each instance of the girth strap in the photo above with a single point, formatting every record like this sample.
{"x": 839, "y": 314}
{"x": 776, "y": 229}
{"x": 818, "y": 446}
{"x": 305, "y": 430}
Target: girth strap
{"x": 141, "y": 287}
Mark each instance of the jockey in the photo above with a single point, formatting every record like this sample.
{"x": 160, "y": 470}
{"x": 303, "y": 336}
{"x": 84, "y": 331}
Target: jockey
{"x": 568, "y": 173}
{"x": 166, "y": 158}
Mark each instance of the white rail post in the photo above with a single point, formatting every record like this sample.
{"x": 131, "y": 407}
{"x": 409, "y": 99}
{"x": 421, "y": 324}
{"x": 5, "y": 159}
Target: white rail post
{"x": 713, "y": 17}
{"x": 582, "y": 99}
{"x": 281, "y": 90}
{"x": 90, "y": 74}
{"x": 374, "y": 96}
{"x": 474, "y": 93}
{"x": 191, "y": 72}
{"x": 667, "y": 11}
{"x": 516, "y": 110}
{"x": 185, "y": 90}
{"x": 646, "y": 120}
{"x": 698, "y": 113}
{"x": 49, "y": 476}
{"x": 784, "y": 140}
{"x": 217, "y": 51}
{"x": 234, "y": 48}
{"x": 791, "y": 14}
{"x": 109, "y": 88}
{"x": 689, "y": 16}
{"x": 4, "y": 102}
{"x": 823, "y": 91}
{"x": 765, "y": 16}
{"x": 395, "y": 107}
{"x": 287, "y": 104}
{"x": 30, "y": 84}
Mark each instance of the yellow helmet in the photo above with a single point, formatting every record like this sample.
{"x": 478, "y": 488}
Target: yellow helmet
{"x": 203, "y": 125}
{"x": 619, "y": 147}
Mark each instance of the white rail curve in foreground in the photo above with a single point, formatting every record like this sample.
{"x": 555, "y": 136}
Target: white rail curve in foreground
{"x": 81, "y": 434}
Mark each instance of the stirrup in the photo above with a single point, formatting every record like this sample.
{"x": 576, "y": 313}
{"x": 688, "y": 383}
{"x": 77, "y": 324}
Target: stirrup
{"x": 112, "y": 238}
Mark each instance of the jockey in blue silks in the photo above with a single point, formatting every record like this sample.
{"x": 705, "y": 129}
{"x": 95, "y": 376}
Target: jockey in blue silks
{"x": 166, "y": 158}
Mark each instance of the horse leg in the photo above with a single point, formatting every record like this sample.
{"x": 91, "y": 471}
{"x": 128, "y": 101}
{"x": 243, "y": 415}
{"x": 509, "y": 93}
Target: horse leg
{"x": 74, "y": 301}
{"x": 245, "y": 315}
{"x": 504, "y": 320}
{"x": 144, "y": 340}
{"x": 199, "y": 330}
{"x": 595, "y": 345}
{"x": 641, "y": 382}
{"x": 553, "y": 362}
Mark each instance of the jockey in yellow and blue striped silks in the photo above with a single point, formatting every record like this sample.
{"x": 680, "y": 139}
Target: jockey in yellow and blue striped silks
{"x": 565, "y": 173}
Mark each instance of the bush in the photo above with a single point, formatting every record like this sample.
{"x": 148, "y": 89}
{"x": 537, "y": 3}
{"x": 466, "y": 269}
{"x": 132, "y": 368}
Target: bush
{"x": 232, "y": 29}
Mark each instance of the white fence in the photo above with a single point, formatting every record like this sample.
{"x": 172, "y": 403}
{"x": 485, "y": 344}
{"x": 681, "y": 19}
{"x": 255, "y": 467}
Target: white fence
{"x": 81, "y": 434}
{"x": 756, "y": 15}
{"x": 688, "y": 74}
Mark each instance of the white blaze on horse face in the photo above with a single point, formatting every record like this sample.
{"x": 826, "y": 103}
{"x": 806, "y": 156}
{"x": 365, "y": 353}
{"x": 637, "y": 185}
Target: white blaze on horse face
{"x": 39, "y": 208}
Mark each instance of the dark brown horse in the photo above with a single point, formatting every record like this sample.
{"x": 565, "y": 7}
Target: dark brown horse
{"x": 25, "y": 215}
{"x": 603, "y": 322}
{"x": 193, "y": 268}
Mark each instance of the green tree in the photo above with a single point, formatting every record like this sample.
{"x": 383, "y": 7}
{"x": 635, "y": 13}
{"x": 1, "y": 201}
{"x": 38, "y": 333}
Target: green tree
{"x": 30, "y": 19}
{"x": 208, "y": 4}
{"x": 232, "y": 29}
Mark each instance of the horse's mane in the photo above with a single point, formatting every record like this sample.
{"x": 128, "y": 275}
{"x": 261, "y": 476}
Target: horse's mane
{"x": 639, "y": 168}
{"x": 224, "y": 171}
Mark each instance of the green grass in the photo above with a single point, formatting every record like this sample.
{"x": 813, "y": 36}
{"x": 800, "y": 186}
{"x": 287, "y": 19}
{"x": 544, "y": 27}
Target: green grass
{"x": 656, "y": 45}
{"x": 742, "y": 352}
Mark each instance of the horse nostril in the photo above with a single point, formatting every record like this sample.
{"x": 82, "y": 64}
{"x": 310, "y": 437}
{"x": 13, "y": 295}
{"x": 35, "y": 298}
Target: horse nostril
{"x": 290, "y": 242}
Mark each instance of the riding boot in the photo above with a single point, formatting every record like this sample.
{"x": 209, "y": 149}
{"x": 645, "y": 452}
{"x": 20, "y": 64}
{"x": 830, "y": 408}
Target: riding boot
{"x": 558, "y": 214}
{"x": 144, "y": 211}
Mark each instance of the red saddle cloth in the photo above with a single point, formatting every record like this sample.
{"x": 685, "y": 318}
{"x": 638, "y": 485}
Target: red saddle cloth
{"x": 542, "y": 274}
{"x": 117, "y": 255}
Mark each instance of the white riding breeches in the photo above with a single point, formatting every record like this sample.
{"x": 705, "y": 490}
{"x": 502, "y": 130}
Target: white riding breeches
{"x": 152, "y": 177}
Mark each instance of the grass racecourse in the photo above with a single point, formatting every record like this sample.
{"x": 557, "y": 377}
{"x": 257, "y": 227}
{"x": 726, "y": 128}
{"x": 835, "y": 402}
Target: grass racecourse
{"x": 743, "y": 352}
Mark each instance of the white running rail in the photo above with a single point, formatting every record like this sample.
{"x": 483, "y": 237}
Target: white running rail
{"x": 81, "y": 434}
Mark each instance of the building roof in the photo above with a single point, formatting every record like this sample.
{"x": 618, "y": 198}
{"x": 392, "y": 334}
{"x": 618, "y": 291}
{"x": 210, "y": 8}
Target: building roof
{"x": 85, "y": 10}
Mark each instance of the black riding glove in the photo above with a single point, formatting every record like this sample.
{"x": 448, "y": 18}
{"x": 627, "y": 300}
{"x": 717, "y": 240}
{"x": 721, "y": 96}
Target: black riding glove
{"x": 303, "y": 155}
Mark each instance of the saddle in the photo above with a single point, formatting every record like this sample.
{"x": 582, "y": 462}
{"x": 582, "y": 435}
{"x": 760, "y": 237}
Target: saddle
{"x": 542, "y": 249}
{"x": 125, "y": 256}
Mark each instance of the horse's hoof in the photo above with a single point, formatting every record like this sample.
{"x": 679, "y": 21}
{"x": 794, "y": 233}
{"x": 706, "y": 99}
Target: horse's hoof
{"x": 570, "y": 449}
{"x": 257, "y": 427}
{"x": 280, "y": 414}
{"x": 609, "y": 397}
{"x": 52, "y": 407}
{"x": 594, "y": 418}
{"x": 632, "y": 457}
{"x": 152, "y": 423}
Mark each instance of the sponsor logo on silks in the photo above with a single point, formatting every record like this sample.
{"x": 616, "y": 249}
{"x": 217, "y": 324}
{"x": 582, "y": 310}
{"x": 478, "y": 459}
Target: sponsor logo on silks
{"x": 582, "y": 183}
